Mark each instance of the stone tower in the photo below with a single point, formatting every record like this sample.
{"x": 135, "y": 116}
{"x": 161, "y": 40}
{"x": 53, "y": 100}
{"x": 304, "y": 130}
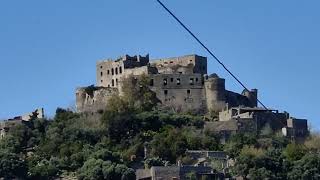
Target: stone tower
{"x": 215, "y": 92}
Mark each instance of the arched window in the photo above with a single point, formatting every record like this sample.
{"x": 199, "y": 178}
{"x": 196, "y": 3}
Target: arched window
{"x": 116, "y": 70}
{"x": 112, "y": 71}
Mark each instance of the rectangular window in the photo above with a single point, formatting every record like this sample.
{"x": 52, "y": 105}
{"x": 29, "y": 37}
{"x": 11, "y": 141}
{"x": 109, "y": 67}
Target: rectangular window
{"x": 165, "y": 92}
{"x": 108, "y": 72}
{"x": 197, "y": 79}
{"x": 171, "y": 79}
{"x": 120, "y": 70}
{"x": 101, "y": 73}
{"x": 188, "y": 91}
{"x": 165, "y": 82}
{"x": 178, "y": 81}
{"x": 151, "y": 82}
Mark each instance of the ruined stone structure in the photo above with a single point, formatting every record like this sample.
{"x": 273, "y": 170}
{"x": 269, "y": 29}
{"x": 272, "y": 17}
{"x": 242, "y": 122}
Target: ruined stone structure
{"x": 181, "y": 83}
{"x": 177, "y": 172}
{"x": 246, "y": 119}
{"x": 9, "y": 123}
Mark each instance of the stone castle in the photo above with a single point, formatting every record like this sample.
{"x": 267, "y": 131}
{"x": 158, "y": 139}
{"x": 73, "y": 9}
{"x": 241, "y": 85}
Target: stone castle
{"x": 181, "y": 83}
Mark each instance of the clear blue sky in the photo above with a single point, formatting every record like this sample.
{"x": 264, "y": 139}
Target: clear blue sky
{"x": 48, "y": 48}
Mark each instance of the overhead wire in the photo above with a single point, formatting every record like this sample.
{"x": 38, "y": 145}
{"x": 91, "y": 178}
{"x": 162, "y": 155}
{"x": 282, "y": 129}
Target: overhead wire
{"x": 208, "y": 50}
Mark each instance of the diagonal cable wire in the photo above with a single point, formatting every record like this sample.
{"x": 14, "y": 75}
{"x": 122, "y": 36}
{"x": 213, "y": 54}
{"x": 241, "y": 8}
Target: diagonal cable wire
{"x": 208, "y": 50}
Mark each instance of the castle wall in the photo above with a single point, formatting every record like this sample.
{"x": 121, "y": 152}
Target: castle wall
{"x": 181, "y": 65}
{"x": 109, "y": 73}
{"x": 178, "y": 82}
{"x": 180, "y": 91}
{"x": 94, "y": 99}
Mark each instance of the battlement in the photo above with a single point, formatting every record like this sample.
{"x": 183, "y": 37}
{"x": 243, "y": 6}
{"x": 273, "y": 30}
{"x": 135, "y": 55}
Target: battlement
{"x": 179, "y": 82}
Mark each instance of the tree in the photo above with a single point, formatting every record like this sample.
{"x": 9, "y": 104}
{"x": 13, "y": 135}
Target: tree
{"x": 294, "y": 152}
{"x": 308, "y": 167}
{"x": 137, "y": 92}
{"x": 12, "y": 165}
{"x": 156, "y": 161}
{"x": 96, "y": 169}
{"x": 43, "y": 169}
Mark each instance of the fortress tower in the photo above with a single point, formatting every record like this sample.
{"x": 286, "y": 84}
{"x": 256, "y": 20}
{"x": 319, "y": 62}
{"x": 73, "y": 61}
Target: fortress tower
{"x": 180, "y": 83}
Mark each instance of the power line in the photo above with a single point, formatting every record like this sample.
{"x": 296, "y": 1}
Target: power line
{"x": 207, "y": 49}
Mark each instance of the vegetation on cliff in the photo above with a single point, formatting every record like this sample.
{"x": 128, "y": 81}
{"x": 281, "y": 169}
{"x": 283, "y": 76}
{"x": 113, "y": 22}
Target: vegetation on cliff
{"x": 112, "y": 145}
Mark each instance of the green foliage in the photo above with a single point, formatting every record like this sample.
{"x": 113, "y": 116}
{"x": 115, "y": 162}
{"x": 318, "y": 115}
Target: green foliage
{"x": 12, "y": 165}
{"x": 256, "y": 163}
{"x": 44, "y": 169}
{"x": 308, "y": 167}
{"x": 96, "y": 169}
{"x": 138, "y": 94}
{"x": 238, "y": 141}
{"x": 172, "y": 143}
{"x": 156, "y": 161}
{"x": 93, "y": 147}
{"x": 294, "y": 152}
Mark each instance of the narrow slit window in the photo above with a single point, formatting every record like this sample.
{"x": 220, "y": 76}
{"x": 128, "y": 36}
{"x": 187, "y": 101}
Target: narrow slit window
{"x": 165, "y": 82}
{"x": 101, "y": 74}
{"x": 112, "y": 71}
{"x": 151, "y": 82}
{"x": 178, "y": 81}
{"x": 112, "y": 83}
{"x": 191, "y": 81}
{"x": 120, "y": 70}
{"x": 116, "y": 70}
{"x": 108, "y": 71}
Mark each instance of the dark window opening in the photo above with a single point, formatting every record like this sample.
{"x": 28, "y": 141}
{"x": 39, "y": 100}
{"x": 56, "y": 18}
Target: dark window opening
{"x": 191, "y": 81}
{"x": 171, "y": 62}
{"x": 178, "y": 81}
{"x": 171, "y": 79}
{"x": 180, "y": 72}
{"x": 108, "y": 72}
{"x": 188, "y": 91}
{"x": 165, "y": 82}
{"x": 120, "y": 70}
{"x": 151, "y": 82}
{"x": 116, "y": 70}
{"x": 112, "y": 71}
{"x": 116, "y": 82}
{"x": 197, "y": 79}
{"x": 165, "y": 92}
{"x": 101, "y": 67}
{"x": 101, "y": 80}
{"x": 112, "y": 83}
{"x": 101, "y": 73}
